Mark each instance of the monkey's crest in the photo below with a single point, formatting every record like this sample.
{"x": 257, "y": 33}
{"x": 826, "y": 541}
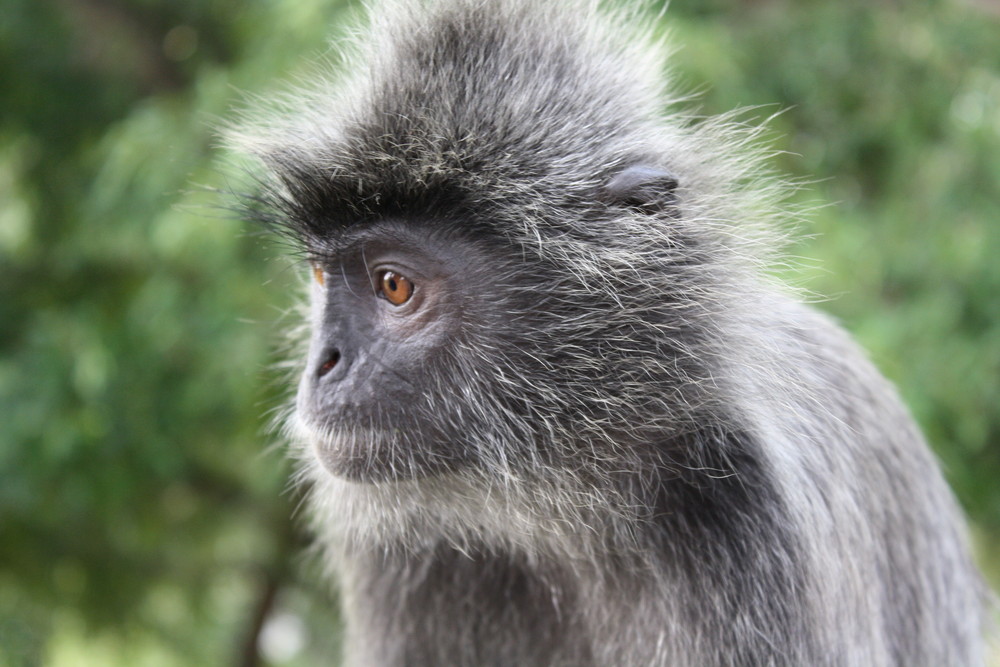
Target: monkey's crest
{"x": 523, "y": 110}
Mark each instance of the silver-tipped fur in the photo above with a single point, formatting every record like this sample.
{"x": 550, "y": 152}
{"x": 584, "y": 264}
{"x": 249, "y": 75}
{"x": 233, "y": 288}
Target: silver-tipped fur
{"x": 654, "y": 454}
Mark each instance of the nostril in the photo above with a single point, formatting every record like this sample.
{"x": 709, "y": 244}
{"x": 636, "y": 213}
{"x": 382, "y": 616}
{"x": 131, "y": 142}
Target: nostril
{"x": 329, "y": 364}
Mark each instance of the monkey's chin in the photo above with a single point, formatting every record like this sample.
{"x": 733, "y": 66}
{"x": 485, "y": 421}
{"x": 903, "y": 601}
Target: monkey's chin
{"x": 370, "y": 456}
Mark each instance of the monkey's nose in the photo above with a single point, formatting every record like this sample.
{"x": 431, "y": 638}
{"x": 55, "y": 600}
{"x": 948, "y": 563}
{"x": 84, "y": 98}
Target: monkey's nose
{"x": 328, "y": 362}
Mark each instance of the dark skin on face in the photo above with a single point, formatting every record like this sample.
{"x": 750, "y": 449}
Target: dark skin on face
{"x": 389, "y": 301}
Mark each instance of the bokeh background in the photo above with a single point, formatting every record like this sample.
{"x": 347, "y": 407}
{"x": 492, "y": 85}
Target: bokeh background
{"x": 145, "y": 516}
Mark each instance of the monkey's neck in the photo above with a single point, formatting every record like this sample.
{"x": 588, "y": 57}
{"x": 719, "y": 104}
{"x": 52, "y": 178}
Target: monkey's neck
{"x": 702, "y": 561}
{"x": 446, "y": 607}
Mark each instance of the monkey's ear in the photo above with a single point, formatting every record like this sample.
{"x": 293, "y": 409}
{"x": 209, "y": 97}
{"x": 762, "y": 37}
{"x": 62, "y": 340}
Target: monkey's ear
{"x": 647, "y": 188}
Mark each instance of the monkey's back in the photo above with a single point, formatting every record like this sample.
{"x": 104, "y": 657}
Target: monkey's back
{"x": 890, "y": 559}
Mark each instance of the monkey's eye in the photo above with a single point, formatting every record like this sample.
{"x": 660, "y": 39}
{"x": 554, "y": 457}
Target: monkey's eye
{"x": 318, "y": 274}
{"x": 394, "y": 287}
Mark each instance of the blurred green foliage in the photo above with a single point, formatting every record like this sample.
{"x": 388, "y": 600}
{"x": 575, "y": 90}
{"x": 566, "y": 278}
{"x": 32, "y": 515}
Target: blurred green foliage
{"x": 144, "y": 519}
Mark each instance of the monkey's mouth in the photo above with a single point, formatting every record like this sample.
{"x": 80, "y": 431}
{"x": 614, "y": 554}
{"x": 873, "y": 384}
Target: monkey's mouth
{"x": 368, "y": 455}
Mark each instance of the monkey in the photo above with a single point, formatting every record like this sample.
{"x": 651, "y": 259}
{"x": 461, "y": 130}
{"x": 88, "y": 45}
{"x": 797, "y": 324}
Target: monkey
{"x": 553, "y": 406}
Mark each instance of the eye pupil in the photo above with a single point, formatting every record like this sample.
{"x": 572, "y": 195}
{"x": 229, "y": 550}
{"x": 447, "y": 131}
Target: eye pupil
{"x": 395, "y": 288}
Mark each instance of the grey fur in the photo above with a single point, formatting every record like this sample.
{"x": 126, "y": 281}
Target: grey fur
{"x": 673, "y": 461}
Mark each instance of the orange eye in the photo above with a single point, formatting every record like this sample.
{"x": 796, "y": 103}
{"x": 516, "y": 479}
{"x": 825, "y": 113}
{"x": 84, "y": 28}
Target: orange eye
{"x": 396, "y": 289}
{"x": 318, "y": 274}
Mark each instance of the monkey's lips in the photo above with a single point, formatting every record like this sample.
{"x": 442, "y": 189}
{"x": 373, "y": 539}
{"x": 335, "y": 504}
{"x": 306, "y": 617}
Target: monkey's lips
{"x": 367, "y": 455}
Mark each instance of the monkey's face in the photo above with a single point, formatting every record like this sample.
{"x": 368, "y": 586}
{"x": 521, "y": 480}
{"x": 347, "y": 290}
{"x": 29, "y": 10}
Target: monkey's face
{"x": 391, "y": 306}
{"x": 442, "y": 339}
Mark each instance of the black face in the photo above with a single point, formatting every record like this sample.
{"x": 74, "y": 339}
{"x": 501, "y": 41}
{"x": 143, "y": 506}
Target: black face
{"x": 390, "y": 307}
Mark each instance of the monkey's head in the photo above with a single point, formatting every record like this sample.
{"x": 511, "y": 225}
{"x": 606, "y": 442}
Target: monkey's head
{"x": 515, "y": 259}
